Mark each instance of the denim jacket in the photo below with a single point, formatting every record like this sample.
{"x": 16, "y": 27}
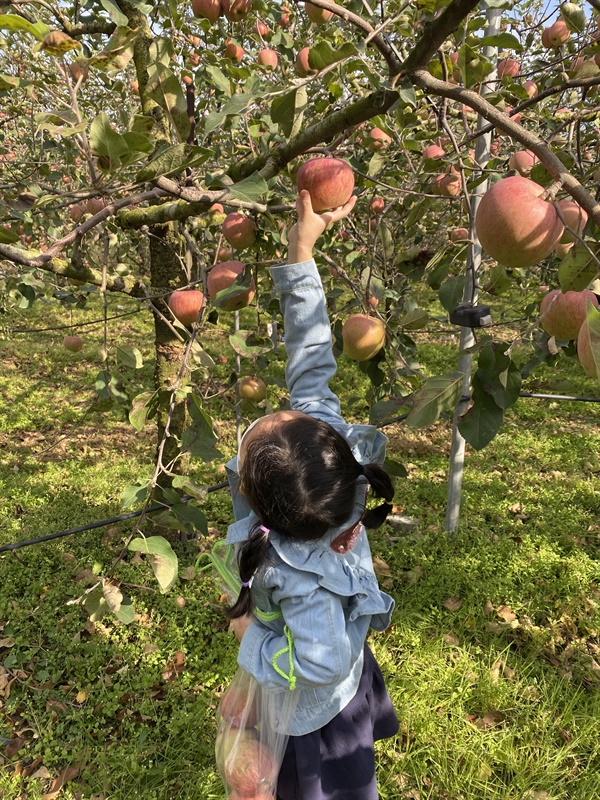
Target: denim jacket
{"x": 313, "y": 606}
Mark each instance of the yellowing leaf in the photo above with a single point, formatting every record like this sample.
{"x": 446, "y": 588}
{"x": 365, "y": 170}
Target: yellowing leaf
{"x": 452, "y": 603}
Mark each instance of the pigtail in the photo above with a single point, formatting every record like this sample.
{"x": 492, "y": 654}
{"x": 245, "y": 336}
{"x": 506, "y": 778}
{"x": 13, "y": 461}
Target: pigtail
{"x": 251, "y": 557}
{"x": 381, "y": 486}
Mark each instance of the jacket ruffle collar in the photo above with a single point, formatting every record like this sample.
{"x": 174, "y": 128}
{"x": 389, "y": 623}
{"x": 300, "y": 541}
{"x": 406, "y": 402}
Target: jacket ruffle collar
{"x": 348, "y": 575}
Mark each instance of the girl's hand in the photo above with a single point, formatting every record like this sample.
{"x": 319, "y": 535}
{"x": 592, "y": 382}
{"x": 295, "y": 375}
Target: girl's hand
{"x": 239, "y": 625}
{"x": 310, "y": 226}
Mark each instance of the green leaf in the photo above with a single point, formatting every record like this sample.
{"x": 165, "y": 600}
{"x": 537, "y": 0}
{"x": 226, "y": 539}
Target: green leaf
{"x": 13, "y": 22}
{"x": 239, "y": 103}
{"x": 483, "y": 420}
{"x": 102, "y": 383}
{"x": 143, "y": 407}
{"x": 387, "y": 241}
{"x": 8, "y": 82}
{"x": 165, "y": 89}
{"x": 437, "y": 394}
{"x": 376, "y": 163}
{"x": 249, "y": 345}
{"x": 505, "y": 41}
{"x": 126, "y": 612}
{"x": 213, "y": 121}
{"x": 395, "y": 468}
{"x": 129, "y": 356}
{"x": 7, "y": 236}
{"x": 323, "y": 54}
{"x": 95, "y": 604}
{"x": 173, "y": 160}
{"x": 238, "y": 288}
{"x": 498, "y": 375}
{"x": 134, "y": 495}
{"x": 192, "y": 515}
{"x": 250, "y": 188}
{"x": 384, "y": 409}
{"x": 498, "y": 280}
{"x": 219, "y": 79}
{"x": 106, "y": 143}
{"x": 188, "y": 486}
{"x": 288, "y": 111}
{"x": 117, "y": 52}
{"x": 451, "y": 292}
{"x": 576, "y": 270}
{"x": 407, "y": 94}
{"x": 198, "y": 438}
{"x": 414, "y": 320}
{"x": 114, "y": 13}
{"x": 574, "y": 16}
{"x": 592, "y": 325}
{"x": 162, "y": 559}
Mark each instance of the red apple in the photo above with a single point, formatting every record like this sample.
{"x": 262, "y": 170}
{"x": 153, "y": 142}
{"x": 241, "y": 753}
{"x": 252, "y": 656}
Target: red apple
{"x": 262, "y": 30}
{"x": 515, "y": 224}
{"x": 508, "y": 68}
{"x": 73, "y": 343}
{"x": 94, "y": 205}
{"x": 329, "y": 181}
{"x": 239, "y": 230}
{"x": 377, "y": 205}
{"x": 378, "y": 140}
{"x": 572, "y": 215}
{"x": 317, "y": 15}
{"x": 459, "y": 234}
{"x": 522, "y": 161}
{"x": 236, "y": 10}
{"x": 531, "y": 88}
{"x": 433, "y": 151}
{"x": 562, "y": 315}
{"x": 221, "y": 276}
{"x": 251, "y": 768}
{"x": 363, "y": 337}
{"x": 186, "y": 304}
{"x": 77, "y": 211}
{"x": 267, "y": 58}
{"x": 209, "y": 9}
{"x": 237, "y": 707}
{"x": 556, "y": 35}
{"x": 233, "y": 51}
{"x": 302, "y": 65}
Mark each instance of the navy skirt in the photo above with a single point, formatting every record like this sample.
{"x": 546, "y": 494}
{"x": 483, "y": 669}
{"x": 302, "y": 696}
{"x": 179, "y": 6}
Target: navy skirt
{"x": 337, "y": 762}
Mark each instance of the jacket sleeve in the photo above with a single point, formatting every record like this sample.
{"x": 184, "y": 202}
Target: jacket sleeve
{"x": 318, "y": 653}
{"x": 311, "y": 364}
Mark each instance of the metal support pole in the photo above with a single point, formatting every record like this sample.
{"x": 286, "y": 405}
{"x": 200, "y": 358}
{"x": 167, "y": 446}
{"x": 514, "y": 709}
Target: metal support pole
{"x": 465, "y": 361}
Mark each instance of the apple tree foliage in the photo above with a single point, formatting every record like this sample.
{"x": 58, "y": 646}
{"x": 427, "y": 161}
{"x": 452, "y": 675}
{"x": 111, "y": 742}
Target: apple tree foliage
{"x": 123, "y": 121}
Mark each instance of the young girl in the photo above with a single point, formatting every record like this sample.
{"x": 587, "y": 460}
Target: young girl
{"x": 299, "y": 486}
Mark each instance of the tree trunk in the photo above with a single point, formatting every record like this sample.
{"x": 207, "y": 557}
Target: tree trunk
{"x": 167, "y": 274}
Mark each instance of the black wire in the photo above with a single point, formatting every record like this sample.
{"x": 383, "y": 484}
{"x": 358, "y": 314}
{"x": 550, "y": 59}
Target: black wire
{"x": 16, "y": 545}
{"x": 75, "y": 325}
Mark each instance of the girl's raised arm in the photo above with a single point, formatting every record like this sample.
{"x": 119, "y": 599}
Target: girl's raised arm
{"x": 310, "y": 364}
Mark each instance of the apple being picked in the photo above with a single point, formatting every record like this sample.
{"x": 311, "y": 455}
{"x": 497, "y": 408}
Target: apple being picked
{"x": 186, "y": 304}
{"x": 252, "y": 389}
{"x": 363, "y": 337}
{"x": 329, "y": 181}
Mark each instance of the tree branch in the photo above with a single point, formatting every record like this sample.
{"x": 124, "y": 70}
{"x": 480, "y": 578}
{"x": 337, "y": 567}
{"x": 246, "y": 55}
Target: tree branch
{"x": 553, "y": 164}
{"x": 380, "y": 42}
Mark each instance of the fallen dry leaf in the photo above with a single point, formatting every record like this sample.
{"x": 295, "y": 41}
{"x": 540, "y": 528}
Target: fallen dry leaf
{"x": 488, "y": 607}
{"x": 8, "y": 642}
{"x": 506, "y": 613}
{"x": 489, "y": 720}
{"x": 15, "y": 745}
{"x": 81, "y": 697}
{"x": 450, "y": 638}
{"x": 452, "y": 603}
{"x": 41, "y": 774}
{"x": 383, "y": 572}
{"x": 188, "y": 574}
{"x": 57, "y": 784}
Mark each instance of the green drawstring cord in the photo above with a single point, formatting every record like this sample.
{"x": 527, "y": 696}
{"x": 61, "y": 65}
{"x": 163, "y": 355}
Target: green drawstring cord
{"x": 290, "y": 677}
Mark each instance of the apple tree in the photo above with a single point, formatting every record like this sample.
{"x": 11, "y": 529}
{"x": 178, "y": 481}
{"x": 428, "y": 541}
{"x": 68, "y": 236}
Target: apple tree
{"x": 145, "y": 145}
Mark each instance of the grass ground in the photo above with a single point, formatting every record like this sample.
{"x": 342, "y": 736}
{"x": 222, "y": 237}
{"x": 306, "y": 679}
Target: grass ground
{"x": 492, "y": 660}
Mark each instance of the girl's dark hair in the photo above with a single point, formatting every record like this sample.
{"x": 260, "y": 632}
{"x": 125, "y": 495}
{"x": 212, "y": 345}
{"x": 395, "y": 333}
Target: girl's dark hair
{"x": 300, "y": 479}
